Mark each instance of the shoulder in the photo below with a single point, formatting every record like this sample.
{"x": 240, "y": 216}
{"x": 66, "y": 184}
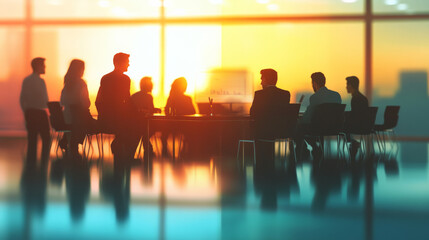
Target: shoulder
{"x": 188, "y": 98}
{"x": 258, "y": 92}
{"x": 285, "y": 92}
{"x": 125, "y": 77}
{"x": 83, "y": 84}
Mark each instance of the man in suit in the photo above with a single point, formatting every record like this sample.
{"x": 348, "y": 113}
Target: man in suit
{"x": 268, "y": 109}
{"x": 321, "y": 95}
{"x": 268, "y": 104}
{"x": 115, "y": 112}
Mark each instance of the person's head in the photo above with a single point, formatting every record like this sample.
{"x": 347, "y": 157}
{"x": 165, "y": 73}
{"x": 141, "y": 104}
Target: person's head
{"x": 318, "y": 80}
{"x": 179, "y": 86}
{"x": 121, "y": 62}
{"x": 146, "y": 84}
{"x": 268, "y": 77}
{"x": 38, "y": 65}
{"x": 352, "y": 84}
{"x": 75, "y": 72}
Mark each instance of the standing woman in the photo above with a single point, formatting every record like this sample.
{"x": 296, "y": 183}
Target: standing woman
{"x": 75, "y": 99}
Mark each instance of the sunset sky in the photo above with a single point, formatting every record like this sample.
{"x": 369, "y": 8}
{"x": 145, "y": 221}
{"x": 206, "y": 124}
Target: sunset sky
{"x": 294, "y": 49}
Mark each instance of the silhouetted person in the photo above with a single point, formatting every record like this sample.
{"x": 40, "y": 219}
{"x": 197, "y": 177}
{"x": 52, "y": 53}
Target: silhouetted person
{"x": 178, "y": 102}
{"x": 321, "y": 95}
{"x": 143, "y": 100}
{"x": 359, "y": 110}
{"x": 115, "y": 109}
{"x": 143, "y": 103}
{"x": 33, "y": 100}
{"x": 267, "y": 104}
{"x": 75, "y": 99}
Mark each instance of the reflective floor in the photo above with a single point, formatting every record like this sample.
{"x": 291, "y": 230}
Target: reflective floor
{"x": 384, "y": 196}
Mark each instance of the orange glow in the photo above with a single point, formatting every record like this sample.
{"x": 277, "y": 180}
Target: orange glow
{"x": 193, "y": 182}
{"x": 95, "y": 182}
{"x": 190, "y": 182}
{"x": 137, "y": 188}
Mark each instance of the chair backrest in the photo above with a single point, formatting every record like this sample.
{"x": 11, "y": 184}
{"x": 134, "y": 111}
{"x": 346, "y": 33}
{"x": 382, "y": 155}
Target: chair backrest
{"x": 391, "y": 117}
{"x": 56, "y": 116}
{"x": 277, "y": 125}
{"x": 362, "y": 123}
{"x": 327, "y": 119}
{"x": 291, "y": 120}
{"x": 372, "y": 116}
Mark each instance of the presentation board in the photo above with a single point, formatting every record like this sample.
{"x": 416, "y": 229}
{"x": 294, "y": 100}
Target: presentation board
{"x": 227, "y": 86}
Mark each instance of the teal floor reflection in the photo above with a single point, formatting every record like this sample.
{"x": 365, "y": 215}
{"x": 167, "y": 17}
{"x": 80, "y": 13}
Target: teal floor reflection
{"x": 385, "y": 196}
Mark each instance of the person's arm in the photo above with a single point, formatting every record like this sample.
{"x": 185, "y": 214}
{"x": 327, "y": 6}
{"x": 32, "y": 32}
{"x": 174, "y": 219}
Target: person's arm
{"x": 288, "y": 96}
{"x": 253, "y": 108}
{"x": 306, "y": 118}
{"x": 45, "y": 94}
{"x": 23, "y": 96}
{"x": 84, "y": 98}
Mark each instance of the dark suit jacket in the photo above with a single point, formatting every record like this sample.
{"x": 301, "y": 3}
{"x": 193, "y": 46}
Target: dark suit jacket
{"x": 113, "y": 99}
{"x": 268, "y": 108}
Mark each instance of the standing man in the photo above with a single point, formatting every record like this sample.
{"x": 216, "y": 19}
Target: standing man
{"x": 115, "y": 109}
{"x": 33, "y": 100}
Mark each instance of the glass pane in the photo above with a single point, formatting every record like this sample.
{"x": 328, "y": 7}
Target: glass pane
{"x": 400, "y": 6}
{"x": 96, "y": 46}
{"x": 294, "y": 50}
{"x": 96, "y": 9}
{"x": 14, "y": 69}
{"x": 260, "y": 7}
{"x": 12, "y": 9}
{"x": 401, "y": 64}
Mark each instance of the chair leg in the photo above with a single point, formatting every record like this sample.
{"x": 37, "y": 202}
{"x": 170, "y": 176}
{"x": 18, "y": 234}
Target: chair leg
{"x": 254, "y": 152}
{"x": 292, "y": 149}
{"x": 238, "y": 149}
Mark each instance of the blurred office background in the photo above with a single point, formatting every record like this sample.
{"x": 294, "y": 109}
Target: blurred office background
{"x": 383, "y": 42}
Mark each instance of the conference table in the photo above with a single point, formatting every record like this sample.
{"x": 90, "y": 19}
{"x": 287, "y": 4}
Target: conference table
{"x": 228, "y": 129}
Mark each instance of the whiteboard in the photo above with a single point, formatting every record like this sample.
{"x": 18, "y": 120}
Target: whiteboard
{"x": 227, "y": 86}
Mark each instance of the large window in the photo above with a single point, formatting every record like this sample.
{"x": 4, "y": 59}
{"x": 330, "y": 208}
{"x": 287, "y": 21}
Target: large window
{"x": 186, "y": 8}
{"x": 401, "y": 68}
{"x": 169, "y": 39}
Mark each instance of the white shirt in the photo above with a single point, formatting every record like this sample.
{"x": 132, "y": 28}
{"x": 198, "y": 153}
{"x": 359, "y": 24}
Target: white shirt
{"x": 33, "y": 93}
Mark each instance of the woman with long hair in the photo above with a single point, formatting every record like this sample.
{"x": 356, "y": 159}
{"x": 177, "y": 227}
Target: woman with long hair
{"x": 76, "y": 103}
{"x": 178, "y": 102}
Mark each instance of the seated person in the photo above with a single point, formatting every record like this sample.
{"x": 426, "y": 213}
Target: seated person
{"x": 177, "y": 104}
{"x": 75, "y": 99}
{"x": 359, "y": 111}
{"x": 267, "y": 104}
{"x": 143, "y": 102}
{"x": 321, "y": 95}
{"x": 359, "y": 104}
{"x": 177, "y": 101}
